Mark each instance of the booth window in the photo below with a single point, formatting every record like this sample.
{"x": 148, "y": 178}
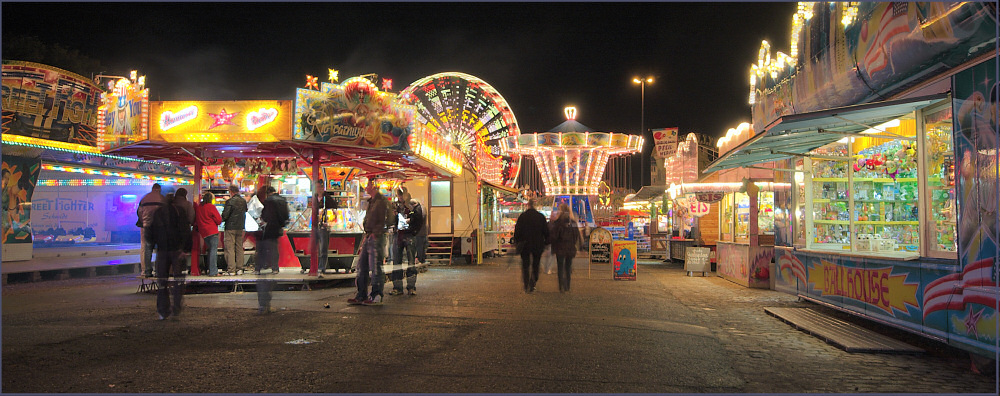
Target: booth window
{"x": 765, "y": 213}
{"x": 831, "y": 212}
{"x": 726, "y": 218}
{"x": 799, "y": 191}
{"x": 742, "y": 231}
{"x": 441, "y": 193}
{"x": 939, "y": 156}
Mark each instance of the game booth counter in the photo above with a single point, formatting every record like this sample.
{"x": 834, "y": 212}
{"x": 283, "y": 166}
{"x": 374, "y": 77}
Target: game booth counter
{"x": 343, "y": 135}
{"x": 893, "y": 165}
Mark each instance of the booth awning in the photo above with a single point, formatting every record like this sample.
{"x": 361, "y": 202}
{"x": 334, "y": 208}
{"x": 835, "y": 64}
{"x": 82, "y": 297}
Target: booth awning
{"x": 646, "y": 193}
{"x": 798, "y": 134}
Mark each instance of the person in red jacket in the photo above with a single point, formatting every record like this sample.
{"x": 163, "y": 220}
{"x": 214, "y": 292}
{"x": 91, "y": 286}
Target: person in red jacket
{"x": 206, "y": 221}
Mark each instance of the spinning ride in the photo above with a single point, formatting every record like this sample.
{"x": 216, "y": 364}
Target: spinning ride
{"x": 473, "y": 116}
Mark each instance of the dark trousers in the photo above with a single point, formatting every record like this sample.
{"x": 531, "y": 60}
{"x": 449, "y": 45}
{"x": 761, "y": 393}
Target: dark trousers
{"x": 406, "y": 243}
{"x": 370, "y": 270}
{"x": 322, "y": 248}
{"x": 532, "y": 259}
{"x": 565, "y": 268}
{"x": 169, "y": 282}
{"x": 267, "y": 254}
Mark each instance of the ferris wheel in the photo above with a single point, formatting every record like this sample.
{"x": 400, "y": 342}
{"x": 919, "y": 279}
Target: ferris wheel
{"x": 473, "y": 116}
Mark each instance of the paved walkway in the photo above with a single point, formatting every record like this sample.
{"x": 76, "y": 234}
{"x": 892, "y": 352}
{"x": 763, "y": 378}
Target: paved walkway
{"x": 469, "y": 329}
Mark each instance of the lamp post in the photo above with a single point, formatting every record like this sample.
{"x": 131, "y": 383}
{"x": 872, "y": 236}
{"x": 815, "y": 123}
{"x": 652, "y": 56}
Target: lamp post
{"x": 642, "y": 120}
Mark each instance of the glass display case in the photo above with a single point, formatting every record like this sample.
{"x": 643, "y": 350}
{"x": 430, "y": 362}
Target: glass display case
{"x": 799, "y": 201}
{"x": 939, "y": 155}
{"x": 830, "y": 205}
{"x": 765, "y": 214}
{"x": 742, "y": 218}
{"x": 726, "y": 218}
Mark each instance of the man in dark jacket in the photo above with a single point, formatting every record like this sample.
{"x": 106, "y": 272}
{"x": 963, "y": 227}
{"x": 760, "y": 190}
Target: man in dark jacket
{"x": 275, "y": 216}
{"x": 170, "y": 233}
{"x": 531, "y": 235}
{"x": 235, "y": 216}
{"x": 371, "y": 257}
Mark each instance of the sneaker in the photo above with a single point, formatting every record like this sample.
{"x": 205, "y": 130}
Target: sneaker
{"x": 255, "y": 272}
{"x": 411, "y": 292}
{"x": 264, "y": 310}
{"x": 377, "y": 300}
{"x": 395, "y": 292}
{"x": 160, "y": 317}
{"x": 354, "y": 301}
{"x": 275, "y": 272}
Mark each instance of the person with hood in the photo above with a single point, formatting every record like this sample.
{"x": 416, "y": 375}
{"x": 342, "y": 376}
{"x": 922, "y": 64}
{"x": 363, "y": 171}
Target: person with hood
{"x": 147, "y": 207}
{"x": 565, "y": 237}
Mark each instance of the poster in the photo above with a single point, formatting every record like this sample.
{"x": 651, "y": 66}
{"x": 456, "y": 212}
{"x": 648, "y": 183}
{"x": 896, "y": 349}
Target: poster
{"x": 20, "y": 175}
{"x": 665, "y": 140}
{"x": 623, "y": 254}
{"x": 354, "y": 113}
{"x": 600, "y": 246}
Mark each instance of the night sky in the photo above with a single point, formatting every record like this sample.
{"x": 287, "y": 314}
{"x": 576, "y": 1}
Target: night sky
{"x": 540, "y": 57}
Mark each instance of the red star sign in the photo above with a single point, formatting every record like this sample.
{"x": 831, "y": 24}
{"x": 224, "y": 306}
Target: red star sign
{"x": 312, "y": 82}
{"x": 222, "y": 118}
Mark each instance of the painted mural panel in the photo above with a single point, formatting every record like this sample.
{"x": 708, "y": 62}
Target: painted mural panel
{"x": 733, "y": 263}
{"x": 354, "y": 113}
{"x": 20, "y": 175}
{"x": 888, "y": 46}
{"x": 49, "y": 103}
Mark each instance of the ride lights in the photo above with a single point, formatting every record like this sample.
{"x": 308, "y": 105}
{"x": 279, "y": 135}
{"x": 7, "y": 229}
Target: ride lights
{"x": 572, "y": 163}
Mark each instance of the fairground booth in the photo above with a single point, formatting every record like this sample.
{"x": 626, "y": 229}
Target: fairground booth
{"x": 692, "y": 200}
{"x": 59, "y": 189}
{"x": 341, "y": 135}
{"x": 889, "y": 141}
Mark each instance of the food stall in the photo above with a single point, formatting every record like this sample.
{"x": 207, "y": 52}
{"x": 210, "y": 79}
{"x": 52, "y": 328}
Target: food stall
{"x": 691, "y": 196}
{"x": 892, "y": 214}
{"x": 328, "y": 131}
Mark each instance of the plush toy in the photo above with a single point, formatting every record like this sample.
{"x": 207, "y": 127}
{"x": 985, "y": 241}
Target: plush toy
{"x": 860, "y": 163}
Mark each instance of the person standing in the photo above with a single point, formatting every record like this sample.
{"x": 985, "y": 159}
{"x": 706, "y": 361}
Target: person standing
{"x": 409, "y": 223}
{"x": 531, "y": 234}
{"x": 321, "y": 234}
{"x": 372, "y": 247}
{"x": 207, "y": 222}
{"x": 564, "y": 236}
{"x": 275, "y": 216}
{"x": 548, "y": 257}
{"x": 147, "y": 207}
{"x": 420, "y": 239}
{"x": 170, "y": 235}
{"x": 234, "y": 213}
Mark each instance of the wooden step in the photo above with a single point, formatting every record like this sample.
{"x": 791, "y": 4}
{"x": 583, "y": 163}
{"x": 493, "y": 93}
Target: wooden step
{"x": 844, "y": 335}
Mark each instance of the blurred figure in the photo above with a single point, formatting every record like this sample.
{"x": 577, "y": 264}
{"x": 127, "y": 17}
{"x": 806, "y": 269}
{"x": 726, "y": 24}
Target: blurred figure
{"x": 565, "y": 237}
{"x": 170, "y": 234}
{"x": 321, "y": 234}
{"x": 372, "y": 247}
{"x": 531, "y": 234}
{"x": 180, "y": 199}
{"x": 409, "y": 223}
{"x": 147, "y": 207}
{"x": 207, "y": 222}
{"x": 548, "y": 257}
{"x": 234, "y": 213}
{"x": 420, "y": 239}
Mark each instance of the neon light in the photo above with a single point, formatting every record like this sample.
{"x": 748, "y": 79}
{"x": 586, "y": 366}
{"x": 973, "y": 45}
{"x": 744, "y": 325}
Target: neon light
{"x": 222, "y": 118}
{"x": 92, "y": 182}
{"x": 45, "y": 143}
{"x": 386, "y": 84}
{"x": 169, "y": 120}
{"x": 312, "y": 82}
{"x": 570, "y": 113}
{"x": 261, "y": 117}
{"x": 105, "y": 172}
{"x": 334, "y": 75}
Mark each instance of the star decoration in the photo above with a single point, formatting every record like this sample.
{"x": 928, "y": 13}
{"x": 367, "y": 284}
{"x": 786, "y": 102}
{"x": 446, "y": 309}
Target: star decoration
{"x": 312, "y": 82}
{"x": 387, "y": 84}
{"x": 334, "y": 75}
{"x": 971, "y": 321}
{"x": 222, "y": 118}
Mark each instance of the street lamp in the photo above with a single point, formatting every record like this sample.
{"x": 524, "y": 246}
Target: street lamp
{"x": 642, "y": 120}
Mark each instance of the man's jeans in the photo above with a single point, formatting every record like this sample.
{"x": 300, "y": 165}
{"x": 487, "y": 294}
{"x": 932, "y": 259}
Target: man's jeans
{"x": 403, "y": 242}
{"x": 322, "y": 248}
{"x": 146, "y": 258}
{"x": 420, "y": 245}
{"x": 233, "y": 250}
{"x": 212, "y": 242}
{"x": 169, "y": 264}
{"x": 370, "y": 269}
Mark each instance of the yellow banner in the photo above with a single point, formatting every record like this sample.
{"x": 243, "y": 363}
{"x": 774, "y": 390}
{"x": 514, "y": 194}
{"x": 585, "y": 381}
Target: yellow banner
{"x": 877, "y": 287}
{"x": 251, "y": 121}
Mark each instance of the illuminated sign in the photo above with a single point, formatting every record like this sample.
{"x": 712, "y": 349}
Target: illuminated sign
{"x": 251, "y": 121}
{"x": 49, "y": 103}
{"x": 105, "y": 172}
{"x": 169, "y": 120}
{"x": 355, "y": 113}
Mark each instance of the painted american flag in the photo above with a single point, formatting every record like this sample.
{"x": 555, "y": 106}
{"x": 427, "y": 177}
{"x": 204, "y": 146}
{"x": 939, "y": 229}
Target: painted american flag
{"x": 892, "y": 23}
{"x": 975, "y": 284}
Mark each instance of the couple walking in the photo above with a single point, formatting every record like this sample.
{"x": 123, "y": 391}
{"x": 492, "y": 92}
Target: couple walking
{"x": 532, "y": 234}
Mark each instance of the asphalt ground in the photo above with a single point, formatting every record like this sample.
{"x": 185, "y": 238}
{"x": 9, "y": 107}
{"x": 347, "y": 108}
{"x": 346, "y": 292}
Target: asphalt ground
{"x": 470, "y": 329}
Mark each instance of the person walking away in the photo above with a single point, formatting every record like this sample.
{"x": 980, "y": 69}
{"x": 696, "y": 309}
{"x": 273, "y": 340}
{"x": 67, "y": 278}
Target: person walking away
{"x": 531, "y": 234}
{"x": 420, "y": 239}
{"x": 147, "y": 207}
{"x": 321, "y": 234}
{"x": 181, "y": 200}
{"x": 170, "y": 234}
{"x": 548, "y": 257}
{"x": 565, "y": 237}
{"x": 207, "y": 221}
{"x": 234, "y": 213}
{"x": 371, "y": 257}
